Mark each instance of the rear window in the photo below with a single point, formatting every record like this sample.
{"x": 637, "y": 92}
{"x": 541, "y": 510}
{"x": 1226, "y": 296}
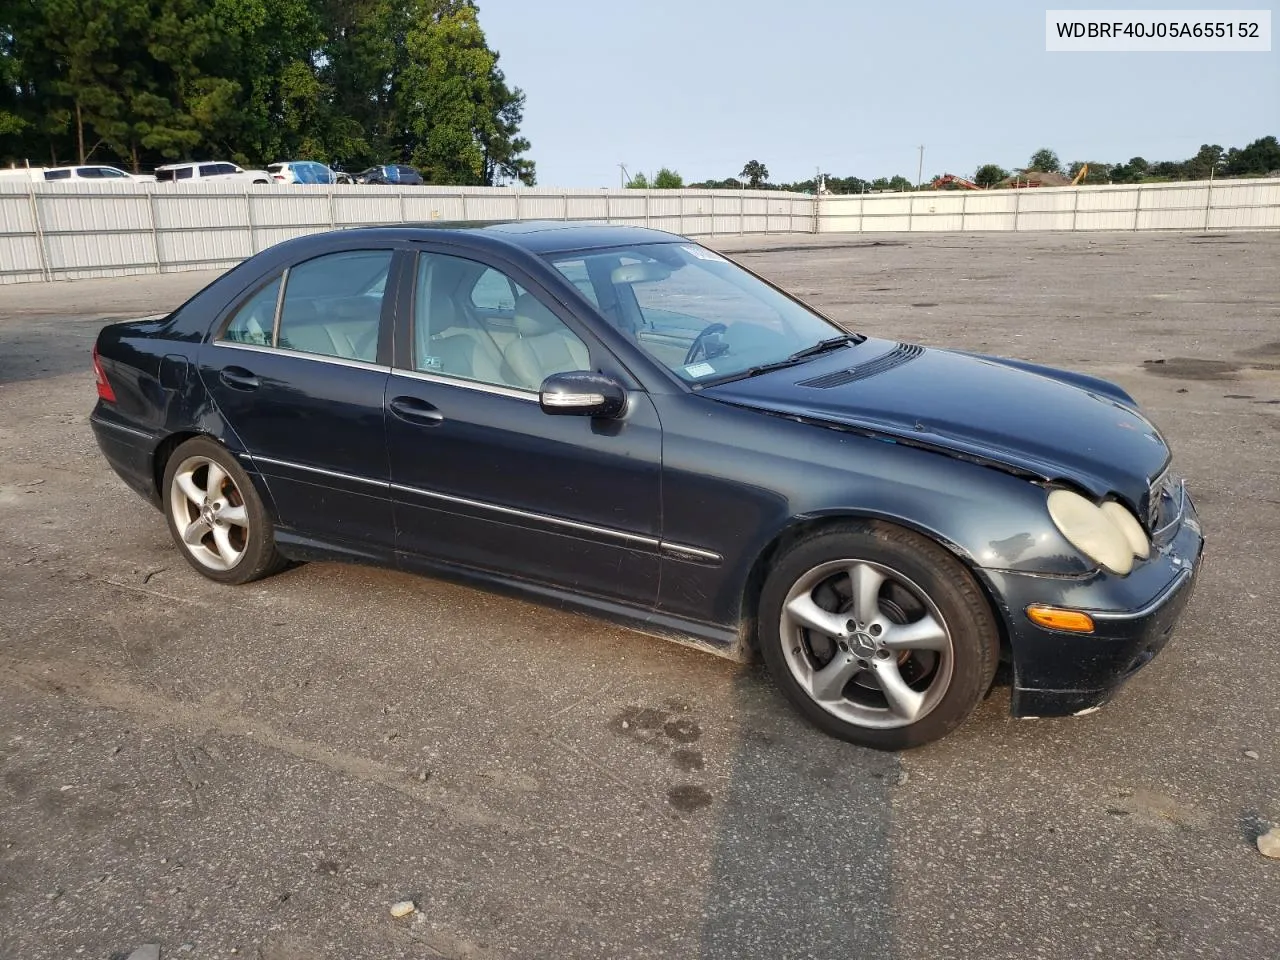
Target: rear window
{"x": 274, "y": 167}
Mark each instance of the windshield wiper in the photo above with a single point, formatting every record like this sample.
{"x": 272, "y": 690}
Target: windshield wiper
{"x": 822, "y": 346}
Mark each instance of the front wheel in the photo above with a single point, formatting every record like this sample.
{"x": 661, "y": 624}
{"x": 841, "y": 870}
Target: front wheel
{"x": 215, "y": 515}
{"x": 878, "y": 635}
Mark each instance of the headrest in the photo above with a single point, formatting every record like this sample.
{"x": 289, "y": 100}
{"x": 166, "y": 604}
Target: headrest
{"x": 533, "y": 319}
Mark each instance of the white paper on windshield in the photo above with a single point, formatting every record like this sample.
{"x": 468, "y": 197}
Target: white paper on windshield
{"x": 702, "y": 253}
{"x": 699, "y": 369}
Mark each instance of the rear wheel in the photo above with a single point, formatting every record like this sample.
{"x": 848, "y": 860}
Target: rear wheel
{"x": 878, "y": 635}
{"x": 215, "y": 515}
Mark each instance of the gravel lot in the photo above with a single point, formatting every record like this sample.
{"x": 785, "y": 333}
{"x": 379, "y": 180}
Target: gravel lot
{"x": 263, "y": 771}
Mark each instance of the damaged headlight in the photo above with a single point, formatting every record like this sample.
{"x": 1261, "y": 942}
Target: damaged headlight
{"x": 1108, "y": 534}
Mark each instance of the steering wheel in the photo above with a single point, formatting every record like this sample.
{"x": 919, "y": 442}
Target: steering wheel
{"x": 699, "y": 345}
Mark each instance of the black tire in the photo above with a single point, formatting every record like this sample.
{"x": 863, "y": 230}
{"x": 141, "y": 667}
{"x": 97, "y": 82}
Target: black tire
{"x": 966, "y": 615}
{"x": 259, "y": 557}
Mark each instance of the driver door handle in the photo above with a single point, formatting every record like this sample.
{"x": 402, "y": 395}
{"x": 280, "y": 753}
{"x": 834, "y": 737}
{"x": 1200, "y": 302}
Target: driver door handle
{"x": 413, "y": 410}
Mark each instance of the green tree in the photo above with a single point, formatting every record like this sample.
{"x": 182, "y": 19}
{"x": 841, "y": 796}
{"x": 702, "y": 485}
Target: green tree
{"x": 989, "y": 174}
{"x": 667, "y": 179}
{"x": 1208, "y": 160}
{"x": 638, "y": 182}
{"x": 1258, "y": 158}
{"x": 754, "y": 173}
{"x": 1045, "y": 160}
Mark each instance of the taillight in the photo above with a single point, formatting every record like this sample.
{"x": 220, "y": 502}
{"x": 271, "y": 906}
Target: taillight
{"x": 104, "y": 388}
{"x": 278, "y": 176}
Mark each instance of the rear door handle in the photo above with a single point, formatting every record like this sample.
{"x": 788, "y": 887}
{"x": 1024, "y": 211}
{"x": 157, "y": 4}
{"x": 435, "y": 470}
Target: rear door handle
{"x": 239, "y": 378}
{"x": 416, "y": 411}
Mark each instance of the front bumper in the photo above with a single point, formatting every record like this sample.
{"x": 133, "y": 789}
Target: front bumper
{"x": 1057, "y": 673}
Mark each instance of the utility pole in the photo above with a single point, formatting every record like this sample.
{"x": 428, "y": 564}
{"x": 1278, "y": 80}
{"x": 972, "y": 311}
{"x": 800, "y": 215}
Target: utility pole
{"x": 920, "y": 168}
{"x": 622, "y": 176}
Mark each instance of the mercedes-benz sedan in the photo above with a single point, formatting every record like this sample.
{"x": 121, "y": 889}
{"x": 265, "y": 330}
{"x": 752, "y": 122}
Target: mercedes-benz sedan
{"x": 626, "y": 422}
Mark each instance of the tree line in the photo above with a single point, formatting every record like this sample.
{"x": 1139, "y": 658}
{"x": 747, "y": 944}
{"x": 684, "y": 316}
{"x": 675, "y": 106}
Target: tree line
{"x": 1259, "y": 158}
{"x": 351, "y": 83}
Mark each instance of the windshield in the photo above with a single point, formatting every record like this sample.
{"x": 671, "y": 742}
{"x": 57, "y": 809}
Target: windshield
{"x": 701, "y": 316}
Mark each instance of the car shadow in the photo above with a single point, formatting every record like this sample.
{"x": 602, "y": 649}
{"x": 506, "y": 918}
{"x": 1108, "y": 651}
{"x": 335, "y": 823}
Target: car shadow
{"x": 800, "y": 865}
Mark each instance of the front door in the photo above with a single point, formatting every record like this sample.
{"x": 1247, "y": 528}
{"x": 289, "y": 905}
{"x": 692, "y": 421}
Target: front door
{"x": 295, "y": 373}
{"x": 480, "y": 476}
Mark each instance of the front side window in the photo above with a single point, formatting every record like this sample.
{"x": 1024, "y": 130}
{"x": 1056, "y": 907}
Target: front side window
{"x": 111, "y": 173}
{"x": 473, "y": 322}
{"x": 210, "y": 169}
{"x": 89, "y": 173}
{"x": 700, "y": 315}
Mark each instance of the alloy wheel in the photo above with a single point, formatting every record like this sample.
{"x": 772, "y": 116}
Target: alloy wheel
{"x": 866, "y": 643}
{"x": 209, "y": 513}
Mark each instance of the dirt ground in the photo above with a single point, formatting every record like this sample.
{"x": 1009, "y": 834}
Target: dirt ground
{"x": 262, "y": 771}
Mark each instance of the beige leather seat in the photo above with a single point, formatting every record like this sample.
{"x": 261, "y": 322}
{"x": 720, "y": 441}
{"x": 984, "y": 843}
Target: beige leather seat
{"x": 543, "y": 345}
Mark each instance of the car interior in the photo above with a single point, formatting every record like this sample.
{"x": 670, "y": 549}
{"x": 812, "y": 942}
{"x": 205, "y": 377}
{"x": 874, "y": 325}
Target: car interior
{"x": 473, "y": 323}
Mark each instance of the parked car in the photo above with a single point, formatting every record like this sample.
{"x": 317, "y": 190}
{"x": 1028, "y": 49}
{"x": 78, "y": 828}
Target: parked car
{"x": 82, "y": 172}
{"x": 391, "y": 173}
{"x": 301, "y": 171}
{"x": 209, "y": 170}
{"x": 625, "y": 422}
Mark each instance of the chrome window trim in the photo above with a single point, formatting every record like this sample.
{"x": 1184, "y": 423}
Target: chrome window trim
{"x": 515, "y": 393}
{"x": 317, "y": 357}
{"x": 275, "y": 320}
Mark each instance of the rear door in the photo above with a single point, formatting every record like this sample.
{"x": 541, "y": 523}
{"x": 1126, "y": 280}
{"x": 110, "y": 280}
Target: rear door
{"x": 480, "y": 475}
{"x": 298, "y": 369}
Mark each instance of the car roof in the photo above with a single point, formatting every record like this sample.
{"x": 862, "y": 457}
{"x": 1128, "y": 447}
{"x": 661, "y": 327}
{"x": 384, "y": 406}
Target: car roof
{"x": 534, "y": 236}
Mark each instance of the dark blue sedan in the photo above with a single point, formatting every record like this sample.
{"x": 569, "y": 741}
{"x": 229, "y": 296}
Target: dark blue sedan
{"x": 623, "y": 421}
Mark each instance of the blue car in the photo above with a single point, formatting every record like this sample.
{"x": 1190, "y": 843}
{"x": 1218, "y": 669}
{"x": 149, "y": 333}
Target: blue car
{"x": 622, "y": 421}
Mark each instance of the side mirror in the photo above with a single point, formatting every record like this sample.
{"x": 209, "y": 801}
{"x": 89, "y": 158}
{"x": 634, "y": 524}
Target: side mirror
{"x": 582, "y": 394}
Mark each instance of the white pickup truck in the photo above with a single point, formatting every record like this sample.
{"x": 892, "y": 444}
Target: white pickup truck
{"x": 213, "y": 170}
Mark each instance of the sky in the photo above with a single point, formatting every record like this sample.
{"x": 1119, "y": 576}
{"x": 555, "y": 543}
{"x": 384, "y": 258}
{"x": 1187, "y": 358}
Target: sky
{"x": 854, "y": 88}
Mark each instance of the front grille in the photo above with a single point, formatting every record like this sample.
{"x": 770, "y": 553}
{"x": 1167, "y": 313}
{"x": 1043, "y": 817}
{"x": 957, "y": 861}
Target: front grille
{"x": 900, "y": 354}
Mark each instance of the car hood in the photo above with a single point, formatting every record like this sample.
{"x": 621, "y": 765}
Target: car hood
{"x": 1031, "y": 420}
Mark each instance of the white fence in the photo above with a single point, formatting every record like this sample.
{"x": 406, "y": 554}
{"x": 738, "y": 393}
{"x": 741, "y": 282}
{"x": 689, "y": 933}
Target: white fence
{"x": 55, "y": 231}
{"x": 1198, "y": 205}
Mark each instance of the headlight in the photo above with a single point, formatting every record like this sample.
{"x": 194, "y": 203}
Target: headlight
{"x": 1107, "y": 534}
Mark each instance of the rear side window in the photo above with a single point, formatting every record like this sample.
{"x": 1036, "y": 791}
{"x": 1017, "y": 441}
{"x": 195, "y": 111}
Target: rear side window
{"x": 57, "y": 174}
{"x": 164, "y": 176}
{"x": 185, "y": 173}
{"x": 210, "y": 169}
{"x": 333, "y": 305}
{"x": 254, "y": 321}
